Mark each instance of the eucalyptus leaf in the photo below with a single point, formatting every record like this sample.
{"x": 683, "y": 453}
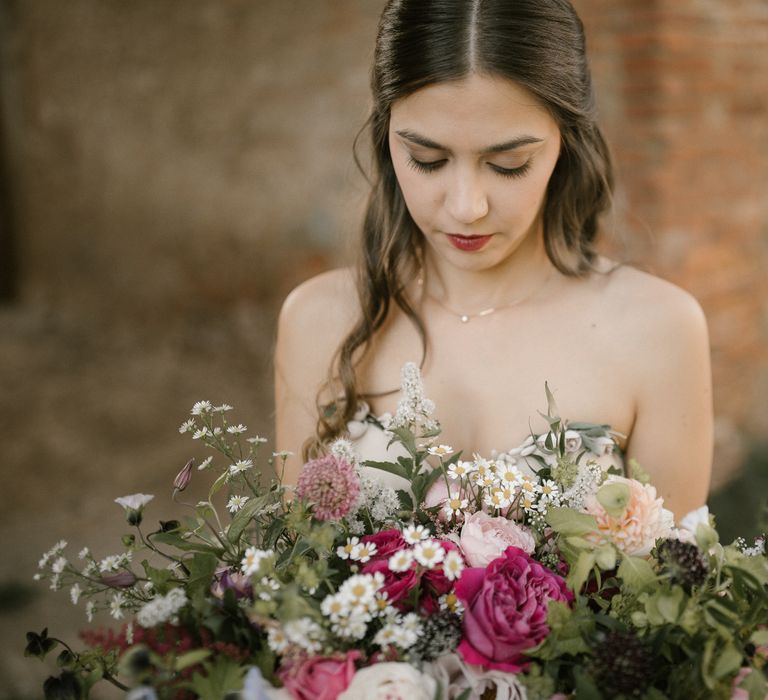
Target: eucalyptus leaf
{"x": 389, "y": 467}
{"x": 636, "y": 573}
{"x": 568, "y": 521}
{"x": 614, "y": 497}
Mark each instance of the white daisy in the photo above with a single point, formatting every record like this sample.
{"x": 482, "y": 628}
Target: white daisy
{"x": 344, "y": 551}
{"x": 187, "y": 425}
{"x": 235, "y": 503}
{"x": 116, "y": 606}
{"x": 429, "y": 553}
{"x": 460, "y": 469}
{"x": 400, "y": 561}
{"x": 223, "y": 408}
{"x": 258, "y": 440}
{"x": 334, "y": 607}
{"x": 455, "y": 504}
{"x": 453, "y": 565}
{"x": 363, "y": 552}
{"x": 413, "y": 534}
{"x": 451, "y": 602}
{"x": 201, "y": 408}
{"x": 205, "y": 463}
{"x": 252, "y": 560}
{"x": 440, "y": 450}
{"x": 240, "y": 466}
{"x": 201, "y": 433}
{"x": 237, "y": 429}
{"x": 277, "y": 640}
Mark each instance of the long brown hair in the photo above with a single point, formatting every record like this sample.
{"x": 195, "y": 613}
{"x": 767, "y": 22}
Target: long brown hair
{"x": 538, "y": 44}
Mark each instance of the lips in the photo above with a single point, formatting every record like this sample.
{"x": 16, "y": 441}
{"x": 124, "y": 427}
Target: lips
{"x": 467, "y": 243}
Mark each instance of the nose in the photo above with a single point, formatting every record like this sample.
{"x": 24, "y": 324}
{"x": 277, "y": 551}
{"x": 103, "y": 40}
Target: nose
{"x": 466, "y": 200}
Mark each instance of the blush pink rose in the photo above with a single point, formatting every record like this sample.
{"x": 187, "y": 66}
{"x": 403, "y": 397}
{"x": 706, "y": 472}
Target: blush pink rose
{"x": 643, "y": 521}
{"x": 320, "y": 677}
{"x": 484, "y": 538}
{"x": 505, "y": 609}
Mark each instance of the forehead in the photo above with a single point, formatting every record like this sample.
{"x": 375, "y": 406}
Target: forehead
{"x": 476, "y": 111}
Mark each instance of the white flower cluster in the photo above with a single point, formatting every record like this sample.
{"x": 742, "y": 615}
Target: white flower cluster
{"x": 400, "y": 630}
{"x": 162, "y": 609}
{"x": 356, "y": 550}
{"x": 355, "y": 605}
{"x": 253, "y": 558}
{"x": 114, "y": 562}
{"x": 382, "y": 502}
{"x": 414, "y": 410}
{"x": 342, "y": 448}
{"x": 588, "y": 480}
{"x": 756, "y": 550}
{"x": 500, "y": 484}
{"x": 303, "y": 633}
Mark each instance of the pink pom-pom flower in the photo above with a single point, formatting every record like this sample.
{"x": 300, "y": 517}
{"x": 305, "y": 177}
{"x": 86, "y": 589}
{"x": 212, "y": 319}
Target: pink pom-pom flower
{"x": 331, "y": 485}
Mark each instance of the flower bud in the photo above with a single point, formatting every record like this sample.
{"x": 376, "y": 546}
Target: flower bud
{"x": 122, "y": 579}
{"x": 184, "y": 476}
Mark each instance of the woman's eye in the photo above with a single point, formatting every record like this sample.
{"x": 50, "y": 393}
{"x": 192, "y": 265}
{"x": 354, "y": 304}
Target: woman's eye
{"x": 423, "y": 167}
{"x": 512, "y": 172}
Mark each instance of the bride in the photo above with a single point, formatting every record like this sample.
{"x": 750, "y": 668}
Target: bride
{"x": 478, "y": 260}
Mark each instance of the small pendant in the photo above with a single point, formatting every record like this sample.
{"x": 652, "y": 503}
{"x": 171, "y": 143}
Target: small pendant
{"x": 464, "y": 318}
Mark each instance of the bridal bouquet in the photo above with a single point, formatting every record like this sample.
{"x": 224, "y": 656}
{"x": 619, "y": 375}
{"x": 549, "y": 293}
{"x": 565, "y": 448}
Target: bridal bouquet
{"x": 535, "y": 574}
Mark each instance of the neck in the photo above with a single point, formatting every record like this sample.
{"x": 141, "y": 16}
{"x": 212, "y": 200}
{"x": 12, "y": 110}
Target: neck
{"x": 520, "y": 275}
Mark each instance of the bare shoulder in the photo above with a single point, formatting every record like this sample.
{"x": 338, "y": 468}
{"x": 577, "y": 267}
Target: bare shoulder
{"x": 313, "y": 320}
{"x": 652, "y": 313}
{"x": 328, "y": 300}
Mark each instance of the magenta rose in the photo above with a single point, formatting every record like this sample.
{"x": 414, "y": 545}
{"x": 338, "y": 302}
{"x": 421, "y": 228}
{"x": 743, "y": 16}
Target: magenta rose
{"x": 387, "y": 543}
{"x": 506, "y": 609}
{"x": 320, "y": 677}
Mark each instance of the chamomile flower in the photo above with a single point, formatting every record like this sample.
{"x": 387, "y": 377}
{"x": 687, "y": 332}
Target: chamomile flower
{"x": 352, "y": 627}
{"x": 451, "y": 603}
{"x": 205, "y": 463}
{"x": 440, "y": 450}
{"x": 258, "y": 440}
{"x": 334, "y": 607}
{"x": 237, "y": 429}
{"x": 429, "y": 553}
{"x": 460, "y": 469}
{"x": 413, "y": 534}
{"x": 400, "y": 561}
{"x": 235, "y": 503}
{"x": 201, "y": 433}
{"x": 455, "y": 504}
{"x": 359, "y": 590}
{"x": 363, "y": 552}
{"x": 305, "y": 633}
{"x": 344, "y": 551}
{"x": 223, "y": 408}
{"x": 508, "y": 474}
{"x": 497, "y": 498}
{"x": 453, "y": 565}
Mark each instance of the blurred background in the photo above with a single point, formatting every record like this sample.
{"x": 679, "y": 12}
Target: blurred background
{"x": 169, "y": 170}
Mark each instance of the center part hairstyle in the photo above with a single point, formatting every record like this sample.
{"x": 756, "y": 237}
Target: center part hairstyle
{"x": 537, "y": 44}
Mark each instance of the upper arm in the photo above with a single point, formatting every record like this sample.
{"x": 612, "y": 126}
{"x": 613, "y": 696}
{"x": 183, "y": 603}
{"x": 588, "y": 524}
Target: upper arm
{"x": 312, "y": 323}
{"x": 672, "y": 436}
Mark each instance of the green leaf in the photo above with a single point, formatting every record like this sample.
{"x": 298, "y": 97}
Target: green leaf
{"x": 568, "y": 521}
{"x": 389, "y": 467}
{"x": 636, "y": 573}
{"x": 669, "y": 604}
{"x": 174, "y": 539}
{"x": 191, "y": 658}
{"x": 614, "y": 497}
{"x": 244, "y": 516}
{"x": 579, "y": 573}
{"x": 728, "y": 662}
{"x": 222, "y": 676}
{"x": 605, "y": 557}
{"x": 201, "y": 570}
{"x": 759, "y": 638}
{"x": 216, "y": 486}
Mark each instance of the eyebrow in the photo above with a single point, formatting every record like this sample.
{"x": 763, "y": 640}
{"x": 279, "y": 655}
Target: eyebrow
{"x": 497, "y": 148}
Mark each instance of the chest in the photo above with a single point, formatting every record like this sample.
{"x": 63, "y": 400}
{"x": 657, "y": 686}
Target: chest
{"x": 487, "y": 377}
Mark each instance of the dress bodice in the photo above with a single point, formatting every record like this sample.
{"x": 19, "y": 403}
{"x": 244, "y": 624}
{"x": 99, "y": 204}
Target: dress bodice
{"x": 370, "y": 440}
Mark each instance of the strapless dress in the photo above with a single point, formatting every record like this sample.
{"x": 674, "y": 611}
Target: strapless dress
{"x": 370, "y": 440}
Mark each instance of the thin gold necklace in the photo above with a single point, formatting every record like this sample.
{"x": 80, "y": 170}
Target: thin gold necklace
{"x": 466, "y": 318}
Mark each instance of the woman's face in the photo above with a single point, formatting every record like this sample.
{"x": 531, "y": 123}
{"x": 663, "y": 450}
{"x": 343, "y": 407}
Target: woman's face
{"x": 473, "y": 158}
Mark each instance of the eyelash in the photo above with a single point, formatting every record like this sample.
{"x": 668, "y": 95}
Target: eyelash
{"x": 436, "y": 165}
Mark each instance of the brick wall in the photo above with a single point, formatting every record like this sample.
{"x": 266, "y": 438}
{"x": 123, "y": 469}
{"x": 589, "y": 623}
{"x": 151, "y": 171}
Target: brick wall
{"x": 683, "y": 90}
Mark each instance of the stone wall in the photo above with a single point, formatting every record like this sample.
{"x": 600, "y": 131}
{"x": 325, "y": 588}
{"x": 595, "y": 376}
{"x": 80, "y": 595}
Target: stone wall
{"x": 172, "y": 169}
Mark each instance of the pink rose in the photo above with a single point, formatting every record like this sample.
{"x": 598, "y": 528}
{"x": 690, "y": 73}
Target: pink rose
{"x": 320, "y": 677}
{"x": 506, "y": 609}
{"x": 437, "y": 496}
{"x": 484, "y": 538}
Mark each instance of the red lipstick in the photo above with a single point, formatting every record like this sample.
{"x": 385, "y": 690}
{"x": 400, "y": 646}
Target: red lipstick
{"x": 468, "y": 243}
